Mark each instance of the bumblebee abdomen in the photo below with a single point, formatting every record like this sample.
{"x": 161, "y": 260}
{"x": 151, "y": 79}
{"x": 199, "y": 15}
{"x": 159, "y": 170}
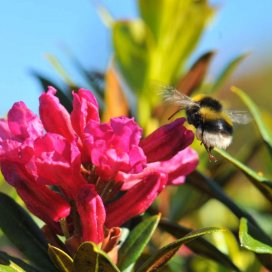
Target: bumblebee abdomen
{"x": 217, "y": 126}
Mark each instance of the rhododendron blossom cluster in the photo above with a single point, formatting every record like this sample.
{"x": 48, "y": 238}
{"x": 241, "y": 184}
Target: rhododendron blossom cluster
{"x": 72, "y": 170}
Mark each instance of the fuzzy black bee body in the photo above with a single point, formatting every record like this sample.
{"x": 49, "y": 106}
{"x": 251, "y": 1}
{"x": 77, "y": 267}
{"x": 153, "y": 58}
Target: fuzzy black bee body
{"x": 214, "y": 125}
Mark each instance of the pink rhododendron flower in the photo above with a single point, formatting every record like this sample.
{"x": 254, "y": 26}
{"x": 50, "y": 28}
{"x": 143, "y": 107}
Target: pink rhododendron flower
{"x": 94, "y": 176}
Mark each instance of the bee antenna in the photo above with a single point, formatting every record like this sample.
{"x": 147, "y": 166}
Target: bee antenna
{"x": 174, "y": 114}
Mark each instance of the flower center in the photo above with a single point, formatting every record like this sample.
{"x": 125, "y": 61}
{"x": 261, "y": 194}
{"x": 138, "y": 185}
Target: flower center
{"x": 107, "y": 189}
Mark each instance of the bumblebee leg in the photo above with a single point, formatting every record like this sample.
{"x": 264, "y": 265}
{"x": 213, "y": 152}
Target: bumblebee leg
{"x": 211, "y": 156}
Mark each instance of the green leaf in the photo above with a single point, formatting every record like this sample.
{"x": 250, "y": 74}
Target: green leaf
{"x": 89, "y": 257}
{"x": 21, "y": 230}
{"x": 209, "y": 187}
{"x": 135, "y": 243}
{"x": 4, "y": 268}
{"x": 212, "y": 189}
{"x": 175, "y": 28}
{"x": 225, "y": 74}
{"x": 8, "y": 260}
{"x": 61, "y": 259}
{"x": 131, "y": 51}
{"x": 167, "y": 252}
{"x": 59, "y": 68}
{"x": 251, "y": 243}
{"x": 266, "y": 134}
{"x": 260, "y": 182}
{"x": 199, "y": 246}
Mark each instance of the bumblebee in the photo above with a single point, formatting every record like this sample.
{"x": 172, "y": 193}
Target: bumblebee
{"x": 214, "y": 125}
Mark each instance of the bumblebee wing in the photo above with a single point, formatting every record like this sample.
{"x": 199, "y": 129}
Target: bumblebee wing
{"x": 172, "y": 95}
{"x": 239, "y": 117}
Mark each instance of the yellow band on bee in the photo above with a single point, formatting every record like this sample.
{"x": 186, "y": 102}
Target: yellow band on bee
{"x": 209, "y": 114}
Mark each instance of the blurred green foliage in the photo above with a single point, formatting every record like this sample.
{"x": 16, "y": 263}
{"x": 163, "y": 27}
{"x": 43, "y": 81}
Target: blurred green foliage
{"x": 234, "y": 193}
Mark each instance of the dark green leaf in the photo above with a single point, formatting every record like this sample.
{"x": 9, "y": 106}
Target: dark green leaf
{"x": 212, "y": 189}
{"x": 61, "y": 259}
{"x": 95, "y": 79}
{"x": 199, "y": 246}
{"x": 167, "y": 252}
{"x": 251, "y": 243}
{"x": 89, "y": 257}
{"x": 184, "y": 201}
{"x": 24, "y": 233}
{"x": 6, "y": 259}
{"x": 266, "y": 134}
{"x": 136, "y": 242}
{"x": 208, "y": 186}
{"x": 260, "y": 182}
{"x": 227, "y": 71}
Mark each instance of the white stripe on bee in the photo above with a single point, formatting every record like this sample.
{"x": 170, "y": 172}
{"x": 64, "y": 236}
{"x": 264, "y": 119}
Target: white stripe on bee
{"x": 213, "y": 139}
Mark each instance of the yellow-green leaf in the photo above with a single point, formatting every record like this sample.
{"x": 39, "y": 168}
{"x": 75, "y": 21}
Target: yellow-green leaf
{"x": 251, "y": 243}
{"x": 259, "y": 181}
{"x": 131, "y": 52}
{"x": 61, "y": 259}
{"x": 266, "y": 134}
{"x": 136, "y": 241}
{"x": 199, "y": 246}
{"x": 167, "y": 252}
{"x": 89, "y": 257}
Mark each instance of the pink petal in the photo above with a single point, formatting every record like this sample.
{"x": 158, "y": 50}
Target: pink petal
{"x": 4, "y": 130}
{"x": 113, "y": 147}
{"x": 54, "y": 116}
{"x": 85, "y": 108}
{"x": 179, "y": 166}
{"x": 23, "y": 123}
{"x": 15, "y": 151}
{"x": 166, "y": 141}
{"x": 136, "y": 200}
{"x": 44, "y": 203}
{"x": 92, "y": 214}
{"x": 58, "y": 162}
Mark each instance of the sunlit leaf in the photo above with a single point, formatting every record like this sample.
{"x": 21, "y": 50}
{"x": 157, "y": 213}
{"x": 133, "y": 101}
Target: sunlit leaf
{"x": 136, "y": 241}
{"x": 167, "y": 252}
{"x": 176, "y": 27}
{"x": 259, "y": 181}
{"x": 131, "y": 52}
{"x": 59, "y": 68}
{"x": 11, "y": 261}
{"x": 195, "y": 76}
{"x": 251, "y": 243}
{"x": 199, "y": 246}
{"x": 21, "y": 230}
{"x": 4, "y": 268}
{"x": 89, "y": 257}
{"x": 105, "y": 15}
{"x": 226, "y": 73}
{"x": 115, "y": 101}
{"x": 266, "y": 134}
{"x": 61, "y": 259}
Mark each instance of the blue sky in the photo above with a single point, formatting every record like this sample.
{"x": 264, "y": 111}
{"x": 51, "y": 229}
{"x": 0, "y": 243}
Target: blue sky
{"x": 29, "y": 29}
